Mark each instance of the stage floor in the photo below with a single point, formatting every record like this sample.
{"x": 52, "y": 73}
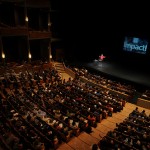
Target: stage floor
{"x": 130, "y": 73}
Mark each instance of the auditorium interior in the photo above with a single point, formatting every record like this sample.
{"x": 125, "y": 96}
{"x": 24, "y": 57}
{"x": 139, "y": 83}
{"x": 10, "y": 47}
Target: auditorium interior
{"x": 56, "y": 93}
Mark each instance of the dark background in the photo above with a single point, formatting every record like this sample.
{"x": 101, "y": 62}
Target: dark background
{"x": 90, "y": 28}
{"x": 86, "y": 29}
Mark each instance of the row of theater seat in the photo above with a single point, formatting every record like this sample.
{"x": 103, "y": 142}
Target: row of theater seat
{"x": 40, "y": 111}
{"x": 133, "y": 133}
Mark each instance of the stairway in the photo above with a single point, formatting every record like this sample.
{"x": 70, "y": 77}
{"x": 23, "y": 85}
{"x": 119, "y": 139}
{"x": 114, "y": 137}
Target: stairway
{"x": 59, "y": 67}
{"x": 61, "y": 70}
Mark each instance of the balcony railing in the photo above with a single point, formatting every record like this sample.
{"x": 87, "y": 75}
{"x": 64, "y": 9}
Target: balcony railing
{"x": 39, "y": 34}
{"x": 13, "y": 31}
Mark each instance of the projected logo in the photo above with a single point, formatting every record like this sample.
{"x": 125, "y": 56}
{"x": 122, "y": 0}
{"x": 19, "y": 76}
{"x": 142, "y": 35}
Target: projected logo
{"x": 137, "y": 45}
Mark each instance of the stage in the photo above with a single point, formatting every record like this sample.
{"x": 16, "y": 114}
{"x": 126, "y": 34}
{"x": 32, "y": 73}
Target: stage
{"x": 132, "y": 74}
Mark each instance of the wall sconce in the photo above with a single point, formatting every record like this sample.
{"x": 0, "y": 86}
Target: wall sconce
{"x": 29, "y": 56}
{"x": 3, "y": 55}
{"x": 50, "y": 56}
{"x": 26, "y": 19}
{"x": 49, "y": 24}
